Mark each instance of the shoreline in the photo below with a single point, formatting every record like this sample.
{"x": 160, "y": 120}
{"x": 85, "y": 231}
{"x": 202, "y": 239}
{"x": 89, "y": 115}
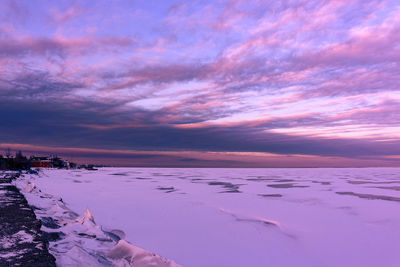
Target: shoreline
{"x": 22, "y": 242}
{"x": 78, "y": 240}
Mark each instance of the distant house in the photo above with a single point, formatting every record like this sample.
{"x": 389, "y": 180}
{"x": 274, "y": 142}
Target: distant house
{"x": 41, "y": 162}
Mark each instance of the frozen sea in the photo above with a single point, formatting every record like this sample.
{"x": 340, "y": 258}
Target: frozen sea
{"x": 244, "y": 217}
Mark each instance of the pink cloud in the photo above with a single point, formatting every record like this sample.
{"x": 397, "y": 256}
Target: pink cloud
{"x": 66, "y": 15}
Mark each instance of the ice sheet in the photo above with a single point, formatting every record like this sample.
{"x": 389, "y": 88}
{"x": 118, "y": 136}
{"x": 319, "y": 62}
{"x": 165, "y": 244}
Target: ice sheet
{"x": 243, "y": 217}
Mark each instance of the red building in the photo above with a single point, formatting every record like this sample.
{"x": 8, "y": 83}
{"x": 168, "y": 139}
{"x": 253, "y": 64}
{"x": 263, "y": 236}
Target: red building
{"x": 41, "y": 162}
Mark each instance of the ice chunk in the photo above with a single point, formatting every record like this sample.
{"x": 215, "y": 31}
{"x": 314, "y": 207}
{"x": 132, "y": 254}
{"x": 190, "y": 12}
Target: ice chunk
{"x": 89, "y": 215}
{"x": 138, "y": 257}
{"x": 30, "y": 187}
{"x": 115, "y": 234}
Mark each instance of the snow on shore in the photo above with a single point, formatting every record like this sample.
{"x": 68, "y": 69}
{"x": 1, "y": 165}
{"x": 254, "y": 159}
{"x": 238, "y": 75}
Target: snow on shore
{"x": 77, "y": 240}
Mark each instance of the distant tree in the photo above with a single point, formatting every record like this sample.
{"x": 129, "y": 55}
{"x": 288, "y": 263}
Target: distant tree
{"x": 8, "y": 153}
{"x": 20, "y": 162}
{"x": 19, "y": 155}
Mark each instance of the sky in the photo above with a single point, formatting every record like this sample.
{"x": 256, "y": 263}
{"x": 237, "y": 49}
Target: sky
{"x": 203, "y": 83}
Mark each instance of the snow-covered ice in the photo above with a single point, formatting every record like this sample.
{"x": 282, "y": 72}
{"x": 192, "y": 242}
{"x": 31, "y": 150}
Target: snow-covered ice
{"x": 224, "y": 217}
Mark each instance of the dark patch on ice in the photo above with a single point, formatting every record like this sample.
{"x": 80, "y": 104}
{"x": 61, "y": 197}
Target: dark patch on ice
{"x": 396, "y": 188}
{"x": 161, "y": 174}
{"x": 319, "y": 182}
{"x": 263, "y": 177}
{"x": 284, "y": 180}
{"x": 119, "y": 174}
{"x": 167, "y": 189}
{"x": 232, "y": 188}
{"x": 358, "y": 182}
{"x": 104, "y": 239}
{"x": 53, "y": 236}
{"x": 50, "y": 223}
{"x": 87, "y": 235}
{"x": 77, "y": 181}
{"x": 370, "y": 196}
{"x": 368, "y": 182}
{"x": 277, "y": 179}
{"x": 267, "y": 223}
{"x": 225, "y": 184}
{"x": 221, "y": 183}
{"x": 291, "y": 185}
{"x": 270, "y": 195}
{"x": 143, "y": 178}
{"x": 231, "y": 191}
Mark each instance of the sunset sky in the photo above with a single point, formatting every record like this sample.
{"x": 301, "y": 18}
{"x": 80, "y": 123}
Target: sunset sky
{"x": 203, "y": 83}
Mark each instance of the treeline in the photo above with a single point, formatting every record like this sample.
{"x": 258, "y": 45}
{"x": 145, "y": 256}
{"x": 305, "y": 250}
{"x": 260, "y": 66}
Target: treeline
{"x": 19, "y": 162}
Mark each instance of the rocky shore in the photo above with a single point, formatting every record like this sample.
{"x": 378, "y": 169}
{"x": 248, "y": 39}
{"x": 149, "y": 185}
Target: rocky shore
{"x": 22, "y": 243}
